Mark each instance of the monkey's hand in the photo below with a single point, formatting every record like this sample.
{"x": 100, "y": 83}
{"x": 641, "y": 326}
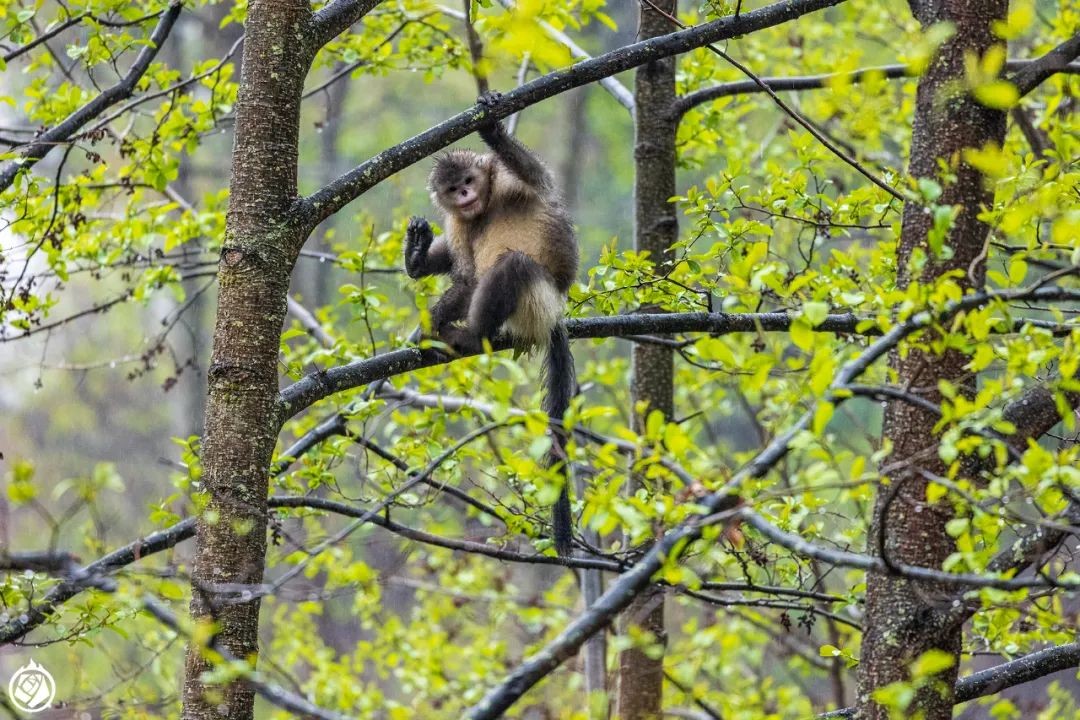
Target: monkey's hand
{"x": 492, "y": 128}
{"x": 418, "y": 239}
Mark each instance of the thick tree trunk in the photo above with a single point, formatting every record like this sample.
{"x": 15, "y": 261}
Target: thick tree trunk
{"x": 905, "y": 619}
{"x": 641, "y": 678}
{"x": 242, "y": 420}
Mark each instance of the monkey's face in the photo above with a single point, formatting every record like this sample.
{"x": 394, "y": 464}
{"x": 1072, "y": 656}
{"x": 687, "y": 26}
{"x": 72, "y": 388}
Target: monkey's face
{"x": 459, "y": 184}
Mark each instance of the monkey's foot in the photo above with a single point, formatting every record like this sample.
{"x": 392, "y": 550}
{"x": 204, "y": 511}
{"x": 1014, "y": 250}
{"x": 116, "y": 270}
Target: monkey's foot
{"x": 489, "y": 99}
{"x": 461, "y": 340}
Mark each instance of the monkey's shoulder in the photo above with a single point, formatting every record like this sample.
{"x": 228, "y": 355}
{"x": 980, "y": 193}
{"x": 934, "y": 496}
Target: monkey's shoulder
{"x": 507, "y": 187}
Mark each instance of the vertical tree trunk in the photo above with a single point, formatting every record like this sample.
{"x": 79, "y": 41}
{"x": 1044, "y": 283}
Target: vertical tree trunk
{"x": 905, "y": 619}
{"x": 641, "y": 678}
{"x": 241, "y": 415}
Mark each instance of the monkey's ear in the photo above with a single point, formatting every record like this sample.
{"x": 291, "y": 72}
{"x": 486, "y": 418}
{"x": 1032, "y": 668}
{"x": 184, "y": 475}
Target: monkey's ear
{"x": 434, "y": 179}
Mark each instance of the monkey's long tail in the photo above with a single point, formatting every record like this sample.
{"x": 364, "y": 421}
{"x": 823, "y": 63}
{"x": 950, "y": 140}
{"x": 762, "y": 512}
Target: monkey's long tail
{"x": 560, "y": 384}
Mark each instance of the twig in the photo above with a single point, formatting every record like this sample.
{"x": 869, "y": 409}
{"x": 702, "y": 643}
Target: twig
{"x": 73, "y": 122}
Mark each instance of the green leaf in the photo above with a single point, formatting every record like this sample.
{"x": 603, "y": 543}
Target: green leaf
{"x": 932, "y": 662}
{"x": 802, "y": 334}
{"x": 815, "y": 312}
{"x": 998, "y": 94}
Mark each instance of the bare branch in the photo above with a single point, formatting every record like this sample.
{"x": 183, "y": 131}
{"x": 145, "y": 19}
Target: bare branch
{"x": 120, "y": 91}
{"x": 309, "y": 322}
{"x": 816, "y": 82}
{"x": 1030, "y": 667}
{"x": 55, "y": 563}
{"x": 1035, "y": 413}
{"x": 844, "y": 558}
{"x": 317, "y": 386}
{"x": 337, "y": 17}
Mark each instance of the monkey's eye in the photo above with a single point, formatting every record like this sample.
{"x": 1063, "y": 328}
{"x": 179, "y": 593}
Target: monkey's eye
{"x": 468, "y": 180}
{"x": 452, "y": 189}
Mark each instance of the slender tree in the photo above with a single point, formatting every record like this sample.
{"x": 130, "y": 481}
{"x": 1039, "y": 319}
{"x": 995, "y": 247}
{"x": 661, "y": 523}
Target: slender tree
{"x": 905, "y": 619}
{"x": 656, "y": 228}
{"x": 242, "y": 416}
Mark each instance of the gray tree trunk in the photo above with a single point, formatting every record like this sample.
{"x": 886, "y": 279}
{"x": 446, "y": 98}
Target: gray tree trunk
{"x": 905, "y": 619}
{"x": 641, "y": 678}
{"x": 242, "y": 420}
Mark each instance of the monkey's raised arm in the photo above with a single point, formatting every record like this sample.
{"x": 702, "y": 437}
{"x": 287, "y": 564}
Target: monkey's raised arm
{"x": 516, "y": 157}
{"x": 424, "y": 255}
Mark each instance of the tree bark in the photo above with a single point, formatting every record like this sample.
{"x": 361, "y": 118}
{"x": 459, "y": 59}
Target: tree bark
{"x": 641, "y": 678}
{"x": 905, "y": 619}
{"x": 242, "y": 417}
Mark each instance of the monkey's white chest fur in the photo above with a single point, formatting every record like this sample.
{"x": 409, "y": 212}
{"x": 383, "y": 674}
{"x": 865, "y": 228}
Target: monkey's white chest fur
{"x": 539, "y": 308}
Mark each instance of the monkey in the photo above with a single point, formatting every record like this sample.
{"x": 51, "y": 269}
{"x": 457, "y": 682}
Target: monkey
{"x": 511, "y": 253}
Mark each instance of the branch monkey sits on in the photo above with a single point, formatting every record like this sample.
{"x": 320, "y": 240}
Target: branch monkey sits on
{"x": 510, "y": 249}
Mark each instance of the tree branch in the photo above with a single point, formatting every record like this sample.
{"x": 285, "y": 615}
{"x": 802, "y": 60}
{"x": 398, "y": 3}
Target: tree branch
{"x": 272, "y": 693}
{"x": 334, "y": 196}
{"x": 75, "y": 583}
{"x": 1030, "y": 667}
{"x": 993, "y": 680}
{"x": 70, "y": 22}
{"x": 336, "y": 18}
{"x": 309, "y": 322}
{"x": 845, "y": 154}
{"x": 1055, "y": 61}
{"x": 843, "y": 558}
{"x": 476, "y": 548}
{"x": 120, "y": 91}
{"x": 78, "y": 579}
{"x": 1034, "y": 413}
{"x": 815, "y": 82}
{"x": 316, "y": 386}
{"x": 54, "y": 563}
